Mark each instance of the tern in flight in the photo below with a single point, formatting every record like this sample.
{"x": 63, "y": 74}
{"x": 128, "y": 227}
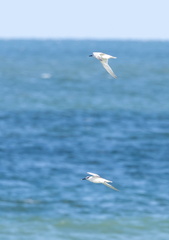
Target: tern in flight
{"x": 95, "y": 178}
{"x": 104, "y": 61}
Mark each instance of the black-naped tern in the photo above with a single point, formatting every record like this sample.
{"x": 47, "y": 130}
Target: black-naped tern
{"x": 95, "y": 178}
{"x": 104, "y": 61}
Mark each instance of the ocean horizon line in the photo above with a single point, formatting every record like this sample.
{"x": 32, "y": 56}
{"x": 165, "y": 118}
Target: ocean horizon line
{"x": 82, "y": 39}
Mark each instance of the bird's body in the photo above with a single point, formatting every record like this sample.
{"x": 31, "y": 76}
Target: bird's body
{"x": 103, "y": 57}
{"x": 95, "y": 178}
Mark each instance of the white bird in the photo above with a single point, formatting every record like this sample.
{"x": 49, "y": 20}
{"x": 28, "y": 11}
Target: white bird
{"x": 104, "y": 61}
{"x": 95, "y": 178}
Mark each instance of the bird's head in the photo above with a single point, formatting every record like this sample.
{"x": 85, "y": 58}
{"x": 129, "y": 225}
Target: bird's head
{"x": 85, "y": 178}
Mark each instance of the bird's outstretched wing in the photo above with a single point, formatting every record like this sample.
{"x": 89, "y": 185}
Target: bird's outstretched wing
{"x": 93, "y": 174}
{"x": 108, "y": 68}
{"x": 110, "y": 186}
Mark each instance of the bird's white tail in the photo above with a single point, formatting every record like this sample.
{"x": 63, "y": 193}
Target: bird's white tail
{"x": 109, "y": 181}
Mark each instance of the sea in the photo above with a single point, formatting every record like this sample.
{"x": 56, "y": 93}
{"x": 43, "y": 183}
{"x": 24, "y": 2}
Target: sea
{"x": 61, "y": 116}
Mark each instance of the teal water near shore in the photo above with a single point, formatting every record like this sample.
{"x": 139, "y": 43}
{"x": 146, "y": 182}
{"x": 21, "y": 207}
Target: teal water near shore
{"x": 61, "y": 115}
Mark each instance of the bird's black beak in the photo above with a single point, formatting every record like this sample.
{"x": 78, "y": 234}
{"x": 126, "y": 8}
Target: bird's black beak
{"x": 91, "y": 55}
{"x": 83, "y": 179}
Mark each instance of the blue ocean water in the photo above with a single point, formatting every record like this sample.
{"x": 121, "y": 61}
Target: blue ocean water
{"x": 61, "y": 115}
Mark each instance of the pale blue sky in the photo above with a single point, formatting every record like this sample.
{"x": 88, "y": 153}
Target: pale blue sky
{"x": 115, "y": 19}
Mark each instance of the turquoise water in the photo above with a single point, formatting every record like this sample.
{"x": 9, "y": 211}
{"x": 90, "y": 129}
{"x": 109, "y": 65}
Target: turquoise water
{"x": 62, "y": 115}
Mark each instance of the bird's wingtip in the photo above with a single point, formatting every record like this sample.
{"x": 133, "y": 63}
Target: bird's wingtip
{"x": 114, "y": 76}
